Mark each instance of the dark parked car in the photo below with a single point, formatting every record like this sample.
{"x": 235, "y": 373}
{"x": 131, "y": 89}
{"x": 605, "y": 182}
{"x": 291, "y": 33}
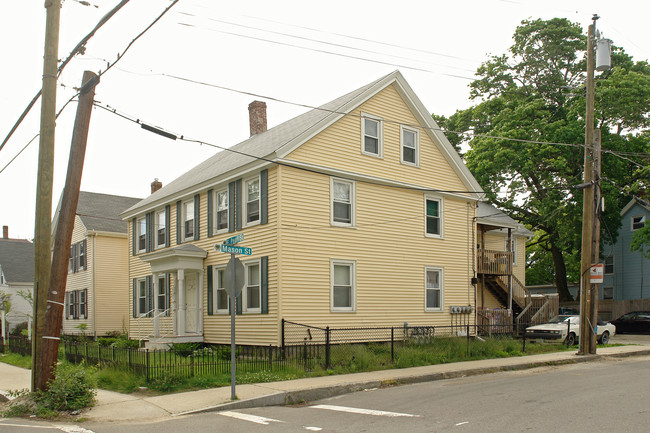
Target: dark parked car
{"x": 636, "y": 321}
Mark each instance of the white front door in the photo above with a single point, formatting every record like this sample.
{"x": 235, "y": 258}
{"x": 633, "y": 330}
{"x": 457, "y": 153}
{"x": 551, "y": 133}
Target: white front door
{"x": 191, "y": 303}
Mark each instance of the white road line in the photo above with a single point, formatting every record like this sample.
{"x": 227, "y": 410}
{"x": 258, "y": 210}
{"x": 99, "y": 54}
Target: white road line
{"x": 313, "y": 428}
{"x": 73, "y": 429}
{"x": 251, "y": 418}
{"x": 30, "y": 426}
{"x": 362, "y": 411}
{"x": 462, "y": 423}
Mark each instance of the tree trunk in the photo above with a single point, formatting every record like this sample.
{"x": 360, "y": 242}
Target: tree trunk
{"x": 560, "y": 274}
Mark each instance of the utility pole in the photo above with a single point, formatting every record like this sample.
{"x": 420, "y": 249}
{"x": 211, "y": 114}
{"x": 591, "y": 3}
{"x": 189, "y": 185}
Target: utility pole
{"x": 42, "y": 225}
{"x": 65, "y": 226}
{"x": 590, "y": 223}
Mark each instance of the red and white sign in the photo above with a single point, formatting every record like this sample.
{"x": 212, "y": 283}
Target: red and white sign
{"x": 596, "y": 273}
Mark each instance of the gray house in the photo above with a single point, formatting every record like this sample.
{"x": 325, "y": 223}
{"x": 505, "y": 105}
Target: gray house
{"x": 627, "y": 273}
{"x": 16, "y": 278}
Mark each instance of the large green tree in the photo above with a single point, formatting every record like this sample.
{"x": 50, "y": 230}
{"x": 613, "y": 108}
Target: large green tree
{"x": 535, "y": 92}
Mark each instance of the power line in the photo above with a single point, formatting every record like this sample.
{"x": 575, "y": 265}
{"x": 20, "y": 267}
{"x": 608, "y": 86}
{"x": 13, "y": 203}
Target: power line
{"x": 80, "y": 48}
{"x": 77, "y": 49}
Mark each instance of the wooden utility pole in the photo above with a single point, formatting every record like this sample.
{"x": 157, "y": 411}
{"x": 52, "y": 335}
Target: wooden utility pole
{"x": 65, "y": 226}
{"x": 42, "y": 225}
{"x": 595, "y": 241}
{"x": 586, "y": 334}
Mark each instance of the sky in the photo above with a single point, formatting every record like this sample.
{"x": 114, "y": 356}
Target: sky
{"x": 290, "y": 54}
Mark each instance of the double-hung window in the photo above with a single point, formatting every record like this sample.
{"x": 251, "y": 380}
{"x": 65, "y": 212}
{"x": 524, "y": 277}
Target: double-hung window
{"x": 83, "y": 304}
{"x": 252, "y": 196}
{"x": 410, "y": 145}
{"x": 71, "y": 259}
{"x": 638, "y": 222}
{"x": 188, "y": 220}
{"x": 343, "y": 285}
{"x": 609, "y": 265}
{"x": 161, "y": 229}
{"x": 142, "y": 297}
{"x": 142, "y": 234}
{"x": 433, "y": 216}
{"x": 513, "y": 249}
{"x": 221, "y": 299}
{"x": 371, "y": 135}
{"x": 433, "y": 289}
{"x": 161, "y": 296}
{"x": 221, "y": 210}
{"x": 252, "y": 292}
{"x": 342, "y": 202}
{"x": 81, "y": 246}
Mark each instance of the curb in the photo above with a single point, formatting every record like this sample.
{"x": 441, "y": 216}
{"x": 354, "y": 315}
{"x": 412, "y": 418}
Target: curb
{"x": 306, "y": 395}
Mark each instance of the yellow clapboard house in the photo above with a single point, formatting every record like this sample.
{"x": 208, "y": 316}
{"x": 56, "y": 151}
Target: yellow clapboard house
{"x": 356, "y": 213}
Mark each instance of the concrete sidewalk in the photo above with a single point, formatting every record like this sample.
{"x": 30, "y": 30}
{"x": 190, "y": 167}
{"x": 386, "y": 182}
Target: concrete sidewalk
{"x": 115, "y": 407}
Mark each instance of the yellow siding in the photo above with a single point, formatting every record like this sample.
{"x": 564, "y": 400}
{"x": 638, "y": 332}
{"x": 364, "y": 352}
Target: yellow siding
{"x": 340, "y": 146}
{"x": 388, "y": 244}
{"x": 111, "y": 283}
{"x": 79, "y": 281}
{"x": 486, "y": 299}
{"x": 497, "y": 241}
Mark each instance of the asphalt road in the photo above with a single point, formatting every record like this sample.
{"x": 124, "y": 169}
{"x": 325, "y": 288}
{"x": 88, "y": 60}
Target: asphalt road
{"x": 602, "y": 396}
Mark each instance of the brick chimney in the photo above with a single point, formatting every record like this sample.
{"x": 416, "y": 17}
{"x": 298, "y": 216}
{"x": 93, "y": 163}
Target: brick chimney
{"x": 155, "y": 185}
{"x": 5, "y": 232}
{"x": 257, "y": 117}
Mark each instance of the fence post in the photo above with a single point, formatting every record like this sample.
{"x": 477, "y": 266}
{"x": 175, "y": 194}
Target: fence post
{"x": 468, "y": 340}
{"x": 283, "y": 358}
{"x": 86, "y": 347}
{"x": 327, "y": 348}
{"x": 392, "y": 344}
{"x": 270, "y": 357}
{"x": 147, "y": 364}
{"x": 192, "y": 364}
{"x": 304, "y": 354}
{"x": 524, "y": 345}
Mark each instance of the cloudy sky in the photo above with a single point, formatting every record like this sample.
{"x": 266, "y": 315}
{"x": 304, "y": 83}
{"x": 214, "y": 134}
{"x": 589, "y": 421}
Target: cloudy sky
{"x": 290, "y": 54}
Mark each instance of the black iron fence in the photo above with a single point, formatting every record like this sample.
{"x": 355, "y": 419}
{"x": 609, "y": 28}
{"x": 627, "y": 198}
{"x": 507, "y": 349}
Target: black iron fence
{"x": 303, "y": 347}
{"x": 16, "y": 344}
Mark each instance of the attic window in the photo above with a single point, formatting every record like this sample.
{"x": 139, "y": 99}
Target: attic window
{"x": 371, "y": 135}
{"x": 638, "y": 222}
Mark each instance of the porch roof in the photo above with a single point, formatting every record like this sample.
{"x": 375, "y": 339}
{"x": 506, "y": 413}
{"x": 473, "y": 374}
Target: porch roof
{"x": 187, "y": 256}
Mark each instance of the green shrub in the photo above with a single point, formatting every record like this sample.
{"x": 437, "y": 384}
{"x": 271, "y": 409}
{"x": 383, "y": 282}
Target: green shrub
{"x": 184, "y": 349}
{"x": 73, "y": 388}
{"x": 166, "y": 383}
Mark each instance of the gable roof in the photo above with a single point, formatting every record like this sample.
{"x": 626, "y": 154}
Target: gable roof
{"x": 17, "y": 260}
{"x": 101, "y": 212}
{"x": 635, "y": 200}
{"x": 282, "y": 139}
{"x": 488, "y": 215}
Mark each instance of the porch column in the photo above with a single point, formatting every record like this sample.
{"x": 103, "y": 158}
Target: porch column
{"x": 510, "y": 266}
{"x": 173, "y": 305}
{"x": 156, "y": 320}
{"x": 181, "y": 302}
{"x": 199, "y": 311}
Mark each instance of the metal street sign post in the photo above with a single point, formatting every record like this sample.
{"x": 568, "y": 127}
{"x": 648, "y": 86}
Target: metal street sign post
{"x": 233, "y": 277}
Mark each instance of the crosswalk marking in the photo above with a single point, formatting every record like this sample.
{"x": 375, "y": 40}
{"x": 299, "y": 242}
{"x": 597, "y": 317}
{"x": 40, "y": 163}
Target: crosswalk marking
{"x": 246, "y": 417}
{"x": 362, "y": 411}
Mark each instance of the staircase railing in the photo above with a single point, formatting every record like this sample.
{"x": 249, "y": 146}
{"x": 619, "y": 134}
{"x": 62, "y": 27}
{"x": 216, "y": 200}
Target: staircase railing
{"x": 520, "y": 293}
{"x": 493, "y": 262}
{"x": 547, "y": 311}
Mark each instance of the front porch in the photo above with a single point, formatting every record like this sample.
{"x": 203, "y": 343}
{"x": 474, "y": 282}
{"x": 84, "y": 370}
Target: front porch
{"x": 177, "y": 314}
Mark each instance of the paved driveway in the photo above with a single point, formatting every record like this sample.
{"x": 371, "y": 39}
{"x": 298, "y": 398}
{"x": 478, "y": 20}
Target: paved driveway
{"x": 642, "y": 339}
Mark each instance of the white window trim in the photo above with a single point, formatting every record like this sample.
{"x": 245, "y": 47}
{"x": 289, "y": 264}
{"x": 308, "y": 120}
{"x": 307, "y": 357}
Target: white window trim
{"x": 138, "y": 227}
{"x": 441, "y": 212}
{"x": 380, "y": 133}
{"x": 417, "y": 145}
{"x": 244, "y": 203}
{"x": 161, "y": 278}
{"x": 642, "y": 219}
{"x": 353, "y": 282}
{"x": 184, "y": 220}
{"x": 245, "y": 309}
{"x": 216, "y": 211}
{"x": 513, "y": 240}
{"x": 138, "y": 297}
{"x": 157, "y": 227}
{"x": 353, "y": 187}
{"x": 442, "y": 288}
{"x": 215, "y": 294}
